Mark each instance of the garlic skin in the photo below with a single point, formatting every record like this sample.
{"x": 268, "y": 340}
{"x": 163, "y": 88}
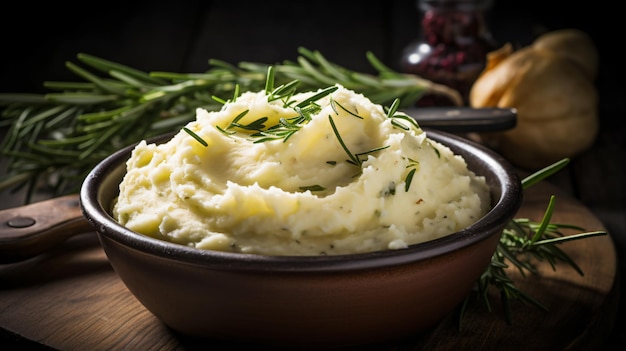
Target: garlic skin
{"x": 551, "y": 85}
{"x": 573, "y": 44}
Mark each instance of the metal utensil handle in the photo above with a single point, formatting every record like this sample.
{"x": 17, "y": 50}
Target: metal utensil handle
{"x": 464, "y": 119}
{"x": 30, "y": 230}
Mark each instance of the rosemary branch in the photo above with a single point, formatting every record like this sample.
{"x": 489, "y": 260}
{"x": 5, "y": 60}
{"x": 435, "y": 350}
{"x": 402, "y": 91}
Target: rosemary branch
{"x": 524, "y": 243}
{"x": 59, "y": 136}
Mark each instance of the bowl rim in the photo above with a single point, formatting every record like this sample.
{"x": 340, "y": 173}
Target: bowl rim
{"x": 503, "y": 209}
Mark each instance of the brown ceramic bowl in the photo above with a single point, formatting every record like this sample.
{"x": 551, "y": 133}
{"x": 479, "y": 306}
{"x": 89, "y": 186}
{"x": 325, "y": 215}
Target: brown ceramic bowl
{"x": 310, "y": 302}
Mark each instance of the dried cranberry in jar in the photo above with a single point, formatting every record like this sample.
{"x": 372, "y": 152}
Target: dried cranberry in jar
{"x": 453, "y": 46}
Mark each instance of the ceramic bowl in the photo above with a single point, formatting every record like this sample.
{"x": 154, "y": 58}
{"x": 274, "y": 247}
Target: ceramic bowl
{"x": 304, "y": 302}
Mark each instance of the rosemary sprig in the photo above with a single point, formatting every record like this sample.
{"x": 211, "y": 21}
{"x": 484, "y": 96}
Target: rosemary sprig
{"x": 412, "y": 166}
{"x": 59, "y": 136}
{"x": 522, "y": 245}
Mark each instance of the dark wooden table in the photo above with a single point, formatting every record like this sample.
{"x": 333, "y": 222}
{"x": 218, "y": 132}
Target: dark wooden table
{"x": 181, "y": 36}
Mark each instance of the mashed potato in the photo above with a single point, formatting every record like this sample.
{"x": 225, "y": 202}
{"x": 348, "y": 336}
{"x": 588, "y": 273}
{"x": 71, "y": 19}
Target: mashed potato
{"x": 304, "y": 176}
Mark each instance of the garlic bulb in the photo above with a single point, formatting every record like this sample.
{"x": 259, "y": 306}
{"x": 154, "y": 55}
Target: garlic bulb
{"x": 551, "y": 85}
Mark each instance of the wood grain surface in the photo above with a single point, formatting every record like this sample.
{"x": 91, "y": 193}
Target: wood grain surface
{"x": 71, "y": 299}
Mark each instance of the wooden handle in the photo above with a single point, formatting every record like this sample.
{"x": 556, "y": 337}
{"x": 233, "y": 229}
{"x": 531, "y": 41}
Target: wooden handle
{"x": 30, "y": 230}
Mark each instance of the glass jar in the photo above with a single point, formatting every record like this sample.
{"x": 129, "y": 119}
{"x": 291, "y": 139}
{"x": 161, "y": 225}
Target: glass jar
{"x": 452, "y": 48}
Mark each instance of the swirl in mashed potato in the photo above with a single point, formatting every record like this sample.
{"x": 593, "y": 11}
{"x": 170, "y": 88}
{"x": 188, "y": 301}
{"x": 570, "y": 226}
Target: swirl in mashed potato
{"x": 346, "y": 178}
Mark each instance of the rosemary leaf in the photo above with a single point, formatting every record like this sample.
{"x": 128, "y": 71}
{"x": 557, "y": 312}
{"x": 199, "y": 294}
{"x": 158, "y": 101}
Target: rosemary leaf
{"x": 12, "y": 98}
{"x": 69, "y": 86}
{"x": 544, "y": 173}
{"x": 80, "y": 98}
{"x": 315, "y": 73}
{"x": 352, "y": 157}
{"x": 195, "y": 136}
{"x": 100, "y": 83}
{"x": 108, "y": 66}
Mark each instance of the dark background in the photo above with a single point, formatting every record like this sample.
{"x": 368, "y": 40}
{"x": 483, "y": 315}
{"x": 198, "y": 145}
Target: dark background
{"x": 181, "y": 36}
{"x": 37, "y": 39}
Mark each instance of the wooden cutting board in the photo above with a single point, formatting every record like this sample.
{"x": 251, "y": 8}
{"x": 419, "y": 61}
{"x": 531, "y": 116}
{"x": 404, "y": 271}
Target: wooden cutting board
{"x": 71, "y": 299}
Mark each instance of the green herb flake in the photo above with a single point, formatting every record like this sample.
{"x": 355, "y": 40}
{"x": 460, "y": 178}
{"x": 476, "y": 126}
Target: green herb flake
{"x": 196, "y": 136}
